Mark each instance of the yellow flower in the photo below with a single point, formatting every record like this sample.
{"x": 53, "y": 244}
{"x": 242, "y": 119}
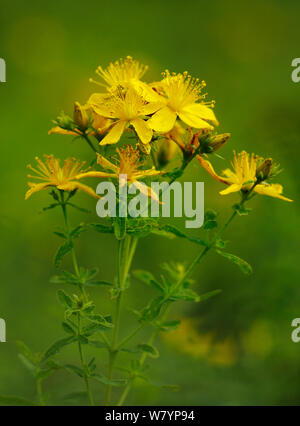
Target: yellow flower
{"x": 244, "y": 176}
{"x": 54, "y": 175}
{"x": 125, "y": 72}
{"x": 129, "y": 108}
{"x": 129, "y": 165}
{"x": 180, "y": 94}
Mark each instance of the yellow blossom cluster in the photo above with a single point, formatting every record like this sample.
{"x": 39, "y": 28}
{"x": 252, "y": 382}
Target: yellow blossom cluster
{"x": 173, "y": 111}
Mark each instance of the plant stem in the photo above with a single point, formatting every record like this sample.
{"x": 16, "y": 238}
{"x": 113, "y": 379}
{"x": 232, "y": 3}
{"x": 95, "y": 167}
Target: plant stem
{"x": 83, "y": 293}
{"x": 83, "y": 364}
{"x": 126, "y": 252}
{"x": 40, "y": 393}
{"x": 90, "y": 143}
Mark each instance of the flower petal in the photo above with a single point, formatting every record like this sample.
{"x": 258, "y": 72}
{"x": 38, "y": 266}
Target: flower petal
{"x": 114, "y": 134}
{"x": 71, "y": 186}
{"x": 201, "y": 111}
{"x": 98, "y": 103}
{"x": 209, "y": 168}
{"x": 163, "y": 120}
{"x": 58, "y": 130}
{"x": 151, "y": 108}
{"x": 35, "y": 187}
{"x": 146, "y": 173}
{"x": 232, "y": 188}
{"x": 106, "y": 164}
{"x": 143, "y": 130}
{"x": 194, "y": 121}
{"x": 272, "y": 190}
{"x": 96, "y": 174}
{"x": 146, "y": 190}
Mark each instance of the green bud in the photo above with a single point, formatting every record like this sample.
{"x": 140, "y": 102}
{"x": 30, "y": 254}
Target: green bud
{"x": 65, "y": 122}
{"x": 218, "y": 141}
{"x": 264, "y": 170}
{"x": 81, "y": 118}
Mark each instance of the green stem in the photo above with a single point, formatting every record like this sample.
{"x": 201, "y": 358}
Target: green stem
{"x": 83, "y": 365}
{"x": 130, "y": 336}
{"x": 40, "y": 393}
{"x": 83, "y": 293}
{"x": 90, "y": 143}
{"x": 126, "y": 252}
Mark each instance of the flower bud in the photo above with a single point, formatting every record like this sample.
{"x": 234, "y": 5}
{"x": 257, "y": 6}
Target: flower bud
{"x": 81, "y": 118}
{"x": 166, "y": 152}
{"x": 218, "y": 141}
{"x": 264, "y": 170}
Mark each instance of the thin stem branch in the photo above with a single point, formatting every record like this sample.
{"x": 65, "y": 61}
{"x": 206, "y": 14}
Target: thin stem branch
{"x": 40, "y": 392}
{"x": 85, "y": 298}
{"x": 90, "y": 143}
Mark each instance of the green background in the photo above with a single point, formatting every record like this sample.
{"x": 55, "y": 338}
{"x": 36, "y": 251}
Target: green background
{"x": 244, "y": 51}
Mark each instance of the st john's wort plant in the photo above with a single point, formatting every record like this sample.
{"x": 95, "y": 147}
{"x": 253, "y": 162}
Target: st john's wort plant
{"x": 170, "y": 124}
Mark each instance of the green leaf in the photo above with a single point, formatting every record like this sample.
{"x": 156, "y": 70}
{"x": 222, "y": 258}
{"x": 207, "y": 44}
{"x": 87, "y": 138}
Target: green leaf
{"x": 103, "y": 229}
{"x": 57, "y": 346}
{"x": 172, "y": 229}
{"x": 28, "y": 364}
{"x": 210, "y": 224}
{"x": 91, "y": 329}
{"x": 210, "y": 215}
{"x": 241, "y": 209}
{"x": 210, "y": 221}
{"x": 74, "y": 369}
{"x": 220, "y": 243}
{"x": 141, "y": 226}
{"x": 98, "y": 344}
{"x": 62, "y": 251}
{"x": 168, "y": 325}
{"x": 186, "y": 294}
{"x": 60, "y": 234}
{"x": 242, "y": 264}
{"x": 68, "y": 329}
{"x": 26, "y": 351}
{"x": 75, "y": 233}
{"x": 99, "y": 283}
{"x": 65, "y": 278}
{"x": 106, "y": 381}
{"x": 43, "y": 374}
{"x": 147, "y": 278}
{"x": 149, "y": 350}
{"x": 51, "y": 206}
{"x": 81, "y": 209}
{"x": 64, "y": 299}
{"x": 152, "y": 310}
{"x": 120, "y": 227}
{"x": 16, "y": 401}
{"x": 209, "y": 294}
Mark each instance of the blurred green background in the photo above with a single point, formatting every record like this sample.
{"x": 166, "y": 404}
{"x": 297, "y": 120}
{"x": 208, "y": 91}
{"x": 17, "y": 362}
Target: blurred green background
{"x": 244, "y": 51}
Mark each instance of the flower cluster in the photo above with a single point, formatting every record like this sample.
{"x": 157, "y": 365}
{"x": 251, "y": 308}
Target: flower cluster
{"x": 138, "y": 131}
